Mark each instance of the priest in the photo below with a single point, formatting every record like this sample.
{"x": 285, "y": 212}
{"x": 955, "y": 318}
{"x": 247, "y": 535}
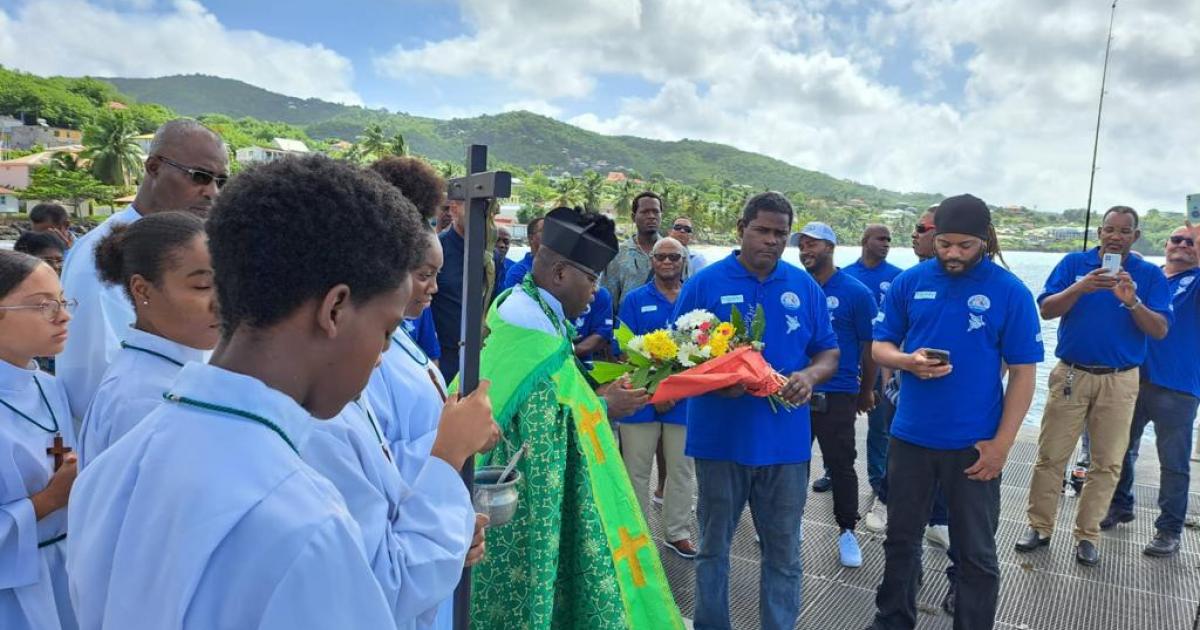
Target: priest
{"x": 578, "y": 553}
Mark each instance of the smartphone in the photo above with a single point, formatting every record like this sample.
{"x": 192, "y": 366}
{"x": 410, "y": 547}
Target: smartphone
{"x": 941, "y": 356}
{"x": 819, "y": 403}
{"x": 1193, "y": 208}
{"x": 1111, "y": 264}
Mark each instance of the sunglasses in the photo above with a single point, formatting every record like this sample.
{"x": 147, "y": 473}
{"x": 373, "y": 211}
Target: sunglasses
{"x": 670, "y": 257}
{"x": 922, "y": 228}
{"x": 686, "y": 229}
{"x": 1183, "y": 240}
{"x": 200, "y": 177}
{"x": 50, "y": 308}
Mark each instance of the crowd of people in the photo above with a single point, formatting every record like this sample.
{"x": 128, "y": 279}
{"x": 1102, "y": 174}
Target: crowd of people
{"x": 238, "y": 406}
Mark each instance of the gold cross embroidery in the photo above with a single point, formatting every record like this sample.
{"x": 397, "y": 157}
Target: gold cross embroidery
{"x": 589, "y": 423}
{"x": 628, "y": 551}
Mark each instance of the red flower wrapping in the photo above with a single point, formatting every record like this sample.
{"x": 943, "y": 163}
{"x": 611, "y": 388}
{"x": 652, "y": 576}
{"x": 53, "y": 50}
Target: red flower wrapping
{"x": 743, "y": 366}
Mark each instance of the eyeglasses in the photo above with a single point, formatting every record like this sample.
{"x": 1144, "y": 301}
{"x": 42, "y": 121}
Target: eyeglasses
{"x": 670, "y": 257}
{"x": 1183, "y": 240}
{"x": 200, "y": 177}
{"x": 686, "y": 229}
{"x": 922, "y": 228}
{"x": 50, "y": 308}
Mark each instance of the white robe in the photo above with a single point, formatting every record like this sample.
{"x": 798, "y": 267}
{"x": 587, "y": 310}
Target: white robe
{"x": 406, "y": 403}
{"x": 416, "y": 534}
{"x": 33, "y": 580}
{"x": 131, "y": 388}
{"x": 100, "y": 320}
{"x": 202, "y": 519}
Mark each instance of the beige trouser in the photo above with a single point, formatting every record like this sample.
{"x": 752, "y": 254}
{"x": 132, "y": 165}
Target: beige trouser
{"x": 639, "y": 442}
{"x": 1104, "y": 403}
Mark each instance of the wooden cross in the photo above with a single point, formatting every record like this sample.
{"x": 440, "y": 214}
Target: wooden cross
{"x": 628, "y": 551}
{"x": 590, "y": 422}
{"x": 58, "y": 451}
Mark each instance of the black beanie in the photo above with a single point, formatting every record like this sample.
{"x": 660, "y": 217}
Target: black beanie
{"x": 963, "y": 214}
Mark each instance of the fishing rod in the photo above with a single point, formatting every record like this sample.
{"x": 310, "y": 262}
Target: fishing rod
{"x": 1087, "y": 215}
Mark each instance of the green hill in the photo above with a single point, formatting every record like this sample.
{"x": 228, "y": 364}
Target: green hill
{"x": 519, "y": 138}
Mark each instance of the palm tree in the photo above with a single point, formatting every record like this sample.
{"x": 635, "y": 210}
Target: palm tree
{"x": 566, "y": 191}
{"x": 592, "y": 191}
{"x": 623, "y": 198}
{"x": 111, "y": 148}
{"x": 399, "y": 146}
{"x": 374, "y": 141}
{"x": 66, "y": 162}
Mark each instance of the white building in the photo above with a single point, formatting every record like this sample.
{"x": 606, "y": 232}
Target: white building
{"x": 9, "y": 204}
{"x": 279, "y": 147}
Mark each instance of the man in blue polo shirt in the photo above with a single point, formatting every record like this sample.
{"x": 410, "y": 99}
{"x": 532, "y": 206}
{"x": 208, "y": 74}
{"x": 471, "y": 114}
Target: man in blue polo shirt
{"x": 516, "y": 273}
{"x": 873, "y": 270}
{"x": 644, "y": 309}
{"x": 594, "y": 328}
{"x": 836, "y": 401}
{"x": 950, "y": 326}
{"x": 743, "y": 450}
{"x": 1169, "y": 394}
{"x": 1106, "y": 322}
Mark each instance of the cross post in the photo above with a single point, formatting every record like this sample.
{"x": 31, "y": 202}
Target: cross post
{"x": 475, "y": 190}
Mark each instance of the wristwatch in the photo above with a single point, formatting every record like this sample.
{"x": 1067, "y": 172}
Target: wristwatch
{"x": 1136, "y": 303}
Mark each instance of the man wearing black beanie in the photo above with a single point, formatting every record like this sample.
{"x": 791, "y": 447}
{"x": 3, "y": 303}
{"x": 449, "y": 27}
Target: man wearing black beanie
{"x": 949, "y": 326}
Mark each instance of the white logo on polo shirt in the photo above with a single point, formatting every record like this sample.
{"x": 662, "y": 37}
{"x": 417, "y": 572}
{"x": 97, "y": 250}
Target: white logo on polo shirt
{"x": 793, "y": 324}
{"x": 979, "y": 303}
{"x": 1186, "y": 281}
{"x": 831, "y": 302}
{"x": 791, "y": 301}
{"x": 974, "y": 322}
{"x": 925, "y": 295}
{"x": 884, "y": 286}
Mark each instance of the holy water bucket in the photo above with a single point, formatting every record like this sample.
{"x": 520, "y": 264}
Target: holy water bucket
{"x": 497, "y": 500}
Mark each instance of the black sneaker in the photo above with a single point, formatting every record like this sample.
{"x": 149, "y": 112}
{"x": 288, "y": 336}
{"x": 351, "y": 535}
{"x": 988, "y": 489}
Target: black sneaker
{"x": 1115, "y": 518}
{"x": 822, "y": 485}
{"x": 1162, "y": 545}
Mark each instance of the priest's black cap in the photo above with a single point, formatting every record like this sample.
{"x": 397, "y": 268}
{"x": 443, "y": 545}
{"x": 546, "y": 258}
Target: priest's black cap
{"x": 963, "y": 214}
{"x": 585, "y": 238}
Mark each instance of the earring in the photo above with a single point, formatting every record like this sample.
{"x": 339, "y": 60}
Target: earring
{"x": 145, "y": 302}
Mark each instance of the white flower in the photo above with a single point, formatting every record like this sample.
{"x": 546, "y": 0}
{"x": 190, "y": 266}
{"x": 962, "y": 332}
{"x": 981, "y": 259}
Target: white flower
{"x": 692, "y": 319}
{"x": 638, "y": 345}
{"x": 686, "y": 352}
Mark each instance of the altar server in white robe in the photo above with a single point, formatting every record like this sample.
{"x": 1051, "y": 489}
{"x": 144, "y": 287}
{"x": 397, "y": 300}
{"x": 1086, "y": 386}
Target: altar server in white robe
{"x": 163, "y": 264}
{"x": 204, "y": 515}
{"x": 186, "y": 167}
{"x": 36, "y": 469}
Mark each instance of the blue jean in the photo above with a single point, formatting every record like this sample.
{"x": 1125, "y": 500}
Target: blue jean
{"x": 1172, "y": 413}
{"x": 776, "y": 495}
{"x": 879, "y": 421}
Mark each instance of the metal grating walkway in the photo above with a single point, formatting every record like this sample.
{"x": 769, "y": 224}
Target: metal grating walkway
{"x": 1045, "y": 590}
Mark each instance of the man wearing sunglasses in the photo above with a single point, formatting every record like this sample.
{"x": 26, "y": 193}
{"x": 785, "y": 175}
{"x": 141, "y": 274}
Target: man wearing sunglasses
{"x": 187, "y": 165}
{"x": 1168, "y": 397}
{"x": 682, "y": 230}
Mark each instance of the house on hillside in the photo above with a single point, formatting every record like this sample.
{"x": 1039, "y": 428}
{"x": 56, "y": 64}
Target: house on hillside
{"x": 144, "y": 141}
{"x": 615, "y": 177}
{"x": 9, "y": 204}
{"x": 279, "y": 148}
{"x": 15, "y": 134}
{"x": 18, "y": 172}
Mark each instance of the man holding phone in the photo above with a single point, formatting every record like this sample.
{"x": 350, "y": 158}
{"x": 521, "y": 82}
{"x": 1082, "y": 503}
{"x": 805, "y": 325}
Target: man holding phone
{"x": 1106, "y": 322}
{"x": 955, "y": 421}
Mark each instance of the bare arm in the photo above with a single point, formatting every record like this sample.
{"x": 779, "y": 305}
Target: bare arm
{"x": 1058, "y": 304}
{"x": 866, "y": 390}
{"x": 1146, "y": 320}
{"x": 993, "y": 453}
{"x": 800, "y": 384}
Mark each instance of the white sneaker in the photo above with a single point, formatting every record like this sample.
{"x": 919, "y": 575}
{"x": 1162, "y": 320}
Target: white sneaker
{"x": 938, "y": 535}
{"x": 876, "y": 519}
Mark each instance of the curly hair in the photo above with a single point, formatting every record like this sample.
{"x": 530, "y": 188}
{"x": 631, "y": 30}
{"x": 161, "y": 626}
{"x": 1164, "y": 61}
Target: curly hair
{"x": 769, "y": 201}
{"x": 286, "y": 232}
{"x": 416, "y": 180}
{"x": 145, "y": 248}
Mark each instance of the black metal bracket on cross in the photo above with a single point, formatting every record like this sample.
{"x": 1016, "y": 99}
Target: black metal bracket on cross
{"x": 476, "y": 190}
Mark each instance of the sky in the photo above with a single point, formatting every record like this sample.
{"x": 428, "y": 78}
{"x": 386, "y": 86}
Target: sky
{"x": 993, "y": 97}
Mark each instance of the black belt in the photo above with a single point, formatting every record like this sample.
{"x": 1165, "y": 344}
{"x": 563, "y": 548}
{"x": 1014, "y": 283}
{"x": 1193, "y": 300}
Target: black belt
{"x": 1099, "y": 371}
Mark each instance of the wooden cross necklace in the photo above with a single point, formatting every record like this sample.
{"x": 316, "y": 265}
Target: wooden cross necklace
{"x": 59, "y": 450}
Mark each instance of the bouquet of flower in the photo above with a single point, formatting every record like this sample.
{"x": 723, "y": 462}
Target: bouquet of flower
{"x": 698, "y": 355}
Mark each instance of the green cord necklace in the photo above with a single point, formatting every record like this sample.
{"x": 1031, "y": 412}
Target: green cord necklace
{"x": 375, "y": 428}
{"x": 233, "y": 412}
{"x": 45, "y": 402}
{"x": 129, "y": 346}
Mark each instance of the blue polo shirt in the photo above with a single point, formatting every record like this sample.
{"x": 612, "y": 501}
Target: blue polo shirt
{"x": 745, "y": 430}
{"x": 852, "y": 310}
{"x": 1098, "y": 331}
{"x": 878, "y": 278}
{"x": 596, "y": 319}
{"x": 645, "y": 309}
{"x": 1172, "y": 362}
{"x": 516, "y": 273}
{"x": 422, "y": 331}
{"x": 503, "y": 264}
{"x": 982, "y": 317}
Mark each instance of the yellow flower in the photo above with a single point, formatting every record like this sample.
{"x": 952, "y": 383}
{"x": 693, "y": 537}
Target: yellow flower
{"x": 660, "y": 345}
{"x": 724, "y": 329}
{"x": 719, "y": 345}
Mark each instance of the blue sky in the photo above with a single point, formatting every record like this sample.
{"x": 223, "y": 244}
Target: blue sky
{"x": 993, "y": 97}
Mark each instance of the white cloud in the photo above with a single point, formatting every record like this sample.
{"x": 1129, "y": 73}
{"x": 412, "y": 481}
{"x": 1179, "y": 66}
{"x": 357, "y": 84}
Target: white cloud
{"x": 74, "y": 38}
{"x": 1003, "y": 103}
{"x": 536, "y": 106}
